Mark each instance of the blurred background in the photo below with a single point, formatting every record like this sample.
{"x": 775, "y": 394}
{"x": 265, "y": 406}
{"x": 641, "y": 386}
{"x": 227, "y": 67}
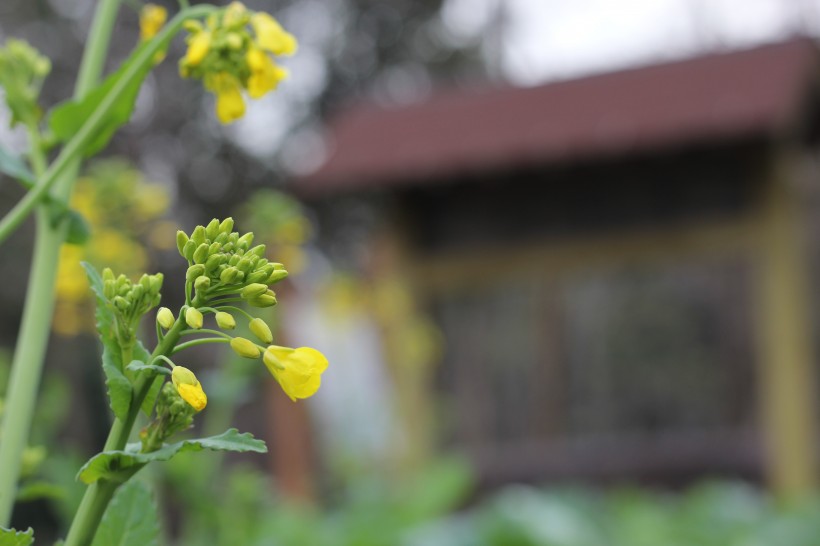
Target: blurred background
{"x": 562, "y": 257}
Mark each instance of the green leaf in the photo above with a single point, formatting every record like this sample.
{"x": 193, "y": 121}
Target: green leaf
{"x": 131, "y": 518}
{"x": 68, "y": 117}
{"x": 116, "y": 465}
{"x": 15, "y": 167}
{"x": 78, "y": 229}
{"x": 141, "y": 353}
{"x": 10, "y": 537}
{"x": 119, "y": 388}
{"x": 138, "y": 366}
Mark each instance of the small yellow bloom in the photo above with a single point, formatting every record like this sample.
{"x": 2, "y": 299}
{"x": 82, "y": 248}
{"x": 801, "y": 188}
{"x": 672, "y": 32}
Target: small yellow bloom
{"x": 152, "y": 17}
{"x": 271, "y": 36}
{"x": 198, "y": 47}
{"x": 230, "y": 105}
{"x": 189, "y": 388}
{"x": 265, "y": 74}
{"x": 298, "y": 371}
{"x": 235, "y": 14}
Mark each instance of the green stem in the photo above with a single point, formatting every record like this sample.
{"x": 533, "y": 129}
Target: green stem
{"x": 194, "y": 343}
{"x": 88, "y": 515}
{"x": 31, "y": 343}
{"x": 72, "y": 151}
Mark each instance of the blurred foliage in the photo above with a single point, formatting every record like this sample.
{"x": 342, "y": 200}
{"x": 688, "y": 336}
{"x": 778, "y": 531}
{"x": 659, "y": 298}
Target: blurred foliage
{"x": 125, "y": 214}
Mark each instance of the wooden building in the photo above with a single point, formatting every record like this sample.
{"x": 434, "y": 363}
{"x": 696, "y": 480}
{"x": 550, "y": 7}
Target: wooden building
{"x": 620, "y": 264}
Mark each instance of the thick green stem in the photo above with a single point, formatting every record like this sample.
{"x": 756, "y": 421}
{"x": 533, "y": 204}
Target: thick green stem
{"x": 89, "y": 514}
{"x": 34, "y": 328}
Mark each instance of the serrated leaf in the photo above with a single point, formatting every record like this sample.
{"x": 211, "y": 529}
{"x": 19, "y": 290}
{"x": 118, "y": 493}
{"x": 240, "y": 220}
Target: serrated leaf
{"x": 131, "y": 518}
{"x": 138, "y": 366}
{"x": 10, "y": 537}
{"x": 68, "y": 117}
{"x": 119, "y": 388}
{"x": 141, "y": 353}
{"x": 116, "y": 465}
{"x": 15, "y": 167}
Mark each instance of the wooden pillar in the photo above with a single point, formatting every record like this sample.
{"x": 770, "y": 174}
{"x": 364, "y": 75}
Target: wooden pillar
{"x": 786, "y": 371}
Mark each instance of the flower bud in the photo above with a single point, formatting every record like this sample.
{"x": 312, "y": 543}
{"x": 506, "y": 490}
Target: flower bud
{"x": 245, "y": 347}
{"x": 188, "y": 387}
{"x": 225, "y": 320}
{"x": 198, "y": 235}
{"x": 214, "y": 248}
{"x": 277, "y": 266}
{"x": 263, "y": 301}
{"x": 245, "y": 241}
{"x": 165, "y": 317}
{"x": 212, "y": 230}
{"x": 108, "y": 275}
{"x": 226, "y": 226}
{"x": 188, "y": 250}
{"x": 110, "y": 289}
{"x": 202, "y": 283}
{"x": 213, "y": 262}
{"x": 277, "y": 275}
{"x": 261, "y": 330}
{"x": 253, "y": 290}
{"x": 201, "y": 253}
{"x": 121, "y": 303}
{"x": 244, "y": 265}
{"x": 182, "y": 239}
{"x": 193, "y": 318}
{"x": 258, "y": 250}
{"x": 156, "y": 283}
{"x": 229, "y": 275}
{"x": 258, "y": 276}
{"x": 222, "y": 238}
{"x": 194, "y": 271}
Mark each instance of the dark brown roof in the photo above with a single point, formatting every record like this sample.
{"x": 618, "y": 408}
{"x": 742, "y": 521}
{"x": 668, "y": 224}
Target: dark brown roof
{"x": 719, "y": 96}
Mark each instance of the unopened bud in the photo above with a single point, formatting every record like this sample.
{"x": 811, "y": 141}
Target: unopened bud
{"x": 261, "y": 330}
{"x": 253, "y": 290}
{"x": 225, "y": 320}
{"x": 245, "y": 241}
{"x": 194, "y": 271}
{"x": 165, "y": 317}
{"x": 263, "y": 301}
{"x": 108, "y": 275}
{"x": 258, "y": 250}
{"x": 202, "y": 283}
{"x": 258, "y": 276}
{"x": 120, "y": 303}
{"x": 245, "y": 347}
{"x": 234, "y": 40}
{"x": 212, "y": 230}
{"x": 277, "y": 275}
{"x": 182, "y": 239}
{"x": 198, "y": 235}
{"x": 188, "y": 250}
{"x": 193, "y": 318}
{"x": 229, "y": 275}
{"x": 201, "y": 253}
{"x": 213, "y": 262}
{"x": 110, "y": 289}
{"x": 226, "y": 226}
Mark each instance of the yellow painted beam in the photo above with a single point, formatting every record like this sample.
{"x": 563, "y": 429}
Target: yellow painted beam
{"x": 786, "y": 361}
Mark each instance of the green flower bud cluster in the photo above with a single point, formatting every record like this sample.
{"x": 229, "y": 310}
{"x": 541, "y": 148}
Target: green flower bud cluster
{"x": 130, "y": 300}
{"x": 221, "y": 262}
{"x": 173, "y": 414}
{"x": 22, "y": 71}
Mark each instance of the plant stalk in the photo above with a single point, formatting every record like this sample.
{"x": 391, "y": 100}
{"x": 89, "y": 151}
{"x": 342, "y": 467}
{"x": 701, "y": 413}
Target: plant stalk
{"x": 34, "y": 329}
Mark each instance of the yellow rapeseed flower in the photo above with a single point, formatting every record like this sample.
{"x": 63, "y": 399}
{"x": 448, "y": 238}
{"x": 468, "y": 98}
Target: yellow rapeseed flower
{"x": 189, "y": 388}
{"x": 230, "y": 105}
{"x": 152, "y": 17}
{"x": 198, "y": 47}
{"x": 270, "y": 35}
{"x": 298, "y": 371}
{"x": 265, "y": 74}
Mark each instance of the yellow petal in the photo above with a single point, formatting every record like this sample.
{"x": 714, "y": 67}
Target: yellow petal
{"x": 198, "y": 47}
{"x": 298, "y": 371}
{"x": 230, "y": 105}
{"x": 194, "y": 395}
{"x": 270, "y": 35}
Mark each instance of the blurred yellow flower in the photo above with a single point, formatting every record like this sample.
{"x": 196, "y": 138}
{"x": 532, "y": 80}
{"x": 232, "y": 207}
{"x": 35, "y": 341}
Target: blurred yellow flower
{"x": 230, "y": 105}
{"x": 270, "y": 35}
{"x": 152, "y": 17}
{"x": 198, "y": 46}
{"x": 265, "y": 74}
{"x": 298, "y": 371}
